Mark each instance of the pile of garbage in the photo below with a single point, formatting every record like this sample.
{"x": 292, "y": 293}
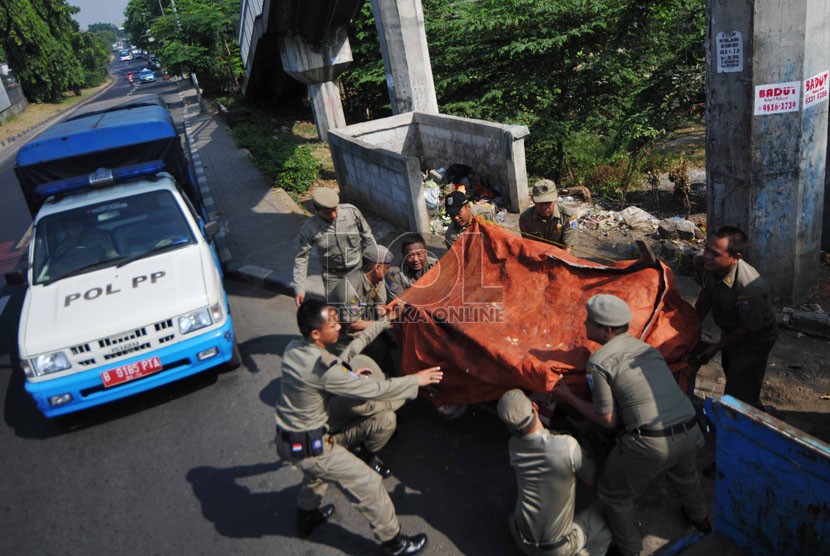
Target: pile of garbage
{"x": 440, "y": 182}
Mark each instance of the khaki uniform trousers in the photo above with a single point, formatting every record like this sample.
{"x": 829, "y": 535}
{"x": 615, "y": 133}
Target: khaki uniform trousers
{"x": 633, "y": 464}
{"x": 339, "y": 466}
{"x": 589, "y": 536}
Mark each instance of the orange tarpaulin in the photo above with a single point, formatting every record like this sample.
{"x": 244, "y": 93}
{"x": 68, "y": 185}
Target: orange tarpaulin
{"x": 500, "y": 312}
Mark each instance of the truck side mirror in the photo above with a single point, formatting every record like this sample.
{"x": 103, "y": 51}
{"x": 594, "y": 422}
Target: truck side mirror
{"x": 211, "y": 228}
{"x": 16, "y": 277}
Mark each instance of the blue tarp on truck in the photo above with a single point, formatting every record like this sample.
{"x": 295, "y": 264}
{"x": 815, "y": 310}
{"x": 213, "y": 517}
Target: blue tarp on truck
{"x": 127, "y": 133}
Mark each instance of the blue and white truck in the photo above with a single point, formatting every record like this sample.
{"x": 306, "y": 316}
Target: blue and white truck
{"x": 124, "y": 287}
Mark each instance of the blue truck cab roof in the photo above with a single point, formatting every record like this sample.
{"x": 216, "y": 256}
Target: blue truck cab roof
{"x": 98, "y": 132}
{"x": 109, "y": 134}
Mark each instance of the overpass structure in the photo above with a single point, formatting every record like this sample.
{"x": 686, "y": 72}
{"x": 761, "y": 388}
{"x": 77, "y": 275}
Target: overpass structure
{"x": 307, "y": 41}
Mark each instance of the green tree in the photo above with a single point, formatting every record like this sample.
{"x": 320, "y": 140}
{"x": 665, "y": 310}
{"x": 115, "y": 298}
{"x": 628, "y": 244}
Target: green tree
{"x": 38, "y": 43}
{"x": 200, "y": 37}
{"x": 596, "y": 81}
{"x": 107, "y": 32}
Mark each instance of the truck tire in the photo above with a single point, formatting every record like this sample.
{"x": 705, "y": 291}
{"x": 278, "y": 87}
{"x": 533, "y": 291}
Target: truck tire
{"x": 236, "y": 359}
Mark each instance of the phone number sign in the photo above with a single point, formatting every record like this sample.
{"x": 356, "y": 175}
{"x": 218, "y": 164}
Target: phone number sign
{"x": 777, "y": 98}
{"x": 816, "y": 89}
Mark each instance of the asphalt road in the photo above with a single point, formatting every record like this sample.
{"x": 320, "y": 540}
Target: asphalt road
{"x": 191, "y": 468}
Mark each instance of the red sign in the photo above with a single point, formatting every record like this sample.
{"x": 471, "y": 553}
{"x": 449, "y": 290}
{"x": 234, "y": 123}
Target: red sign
{"x": 777, "y": 98}
{"x": 816, "y": 89}
{"x": 126, "y": 373}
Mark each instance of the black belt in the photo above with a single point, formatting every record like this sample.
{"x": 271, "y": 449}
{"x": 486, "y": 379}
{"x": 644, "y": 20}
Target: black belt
{"x": 540, "y": 546}
{"x": 669, "y": 431}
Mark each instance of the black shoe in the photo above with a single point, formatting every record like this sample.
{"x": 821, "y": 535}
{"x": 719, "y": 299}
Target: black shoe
{"x": 704, "y": 525}
{"x": 307, "y": 520}
{"x": 403, "y": 544}
{"x": 375, "y": 463}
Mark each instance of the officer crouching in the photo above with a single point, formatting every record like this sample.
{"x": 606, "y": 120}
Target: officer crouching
{"x": 310, "y": 376}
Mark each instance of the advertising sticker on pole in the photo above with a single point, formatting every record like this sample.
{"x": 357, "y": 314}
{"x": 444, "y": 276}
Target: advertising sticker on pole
{"x": 816, "y": 89}
{"x": 730, "y": 52}
{"x": 777, "y": 98}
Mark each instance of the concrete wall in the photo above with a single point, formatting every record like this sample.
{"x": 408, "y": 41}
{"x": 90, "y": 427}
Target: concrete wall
{"x": 379, "y": 163}
{"x": 494, "y": 151}
{"x": 379, "y": 180}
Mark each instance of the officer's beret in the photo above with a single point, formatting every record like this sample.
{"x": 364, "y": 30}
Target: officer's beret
{"x": 515, "y": 410}
{"x": 377, "y": 254}
{"x": 455, "y": 201}
{"x": 608, "y": 310}
{"x": 543, "y": 191}
{"x": 361, "y": 361}
{"x": 324, "y": 197}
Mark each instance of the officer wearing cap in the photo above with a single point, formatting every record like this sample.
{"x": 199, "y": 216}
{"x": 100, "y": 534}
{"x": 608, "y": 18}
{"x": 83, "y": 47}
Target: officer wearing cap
{"x": 361, "y": 301}
{"x": 416, "y": 262}
{"x": 310, "y": 376}
{"x": 740, "y": 303}
{"x": 338, "y": 233}
{"x": 546, "y": 221}
{"x": 547, "y": 465}
{"x": 461, "y": 213}
{"x": 634, "y": 390}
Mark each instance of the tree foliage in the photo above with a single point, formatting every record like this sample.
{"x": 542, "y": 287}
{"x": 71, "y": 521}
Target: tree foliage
{"x": 596, "y": 81}
{"x": 199, "y": 36}
{"x": 46, "y": 49}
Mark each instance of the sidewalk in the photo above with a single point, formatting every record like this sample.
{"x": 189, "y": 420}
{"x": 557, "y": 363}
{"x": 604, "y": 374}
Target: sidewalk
{"x": 258, "y": 222}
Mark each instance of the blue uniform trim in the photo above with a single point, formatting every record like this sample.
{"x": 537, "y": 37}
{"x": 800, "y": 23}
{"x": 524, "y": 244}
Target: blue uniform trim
{"x": 181, "y": 356}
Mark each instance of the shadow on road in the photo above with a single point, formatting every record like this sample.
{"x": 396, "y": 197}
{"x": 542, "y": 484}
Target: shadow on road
{"x": 237, "y": 512}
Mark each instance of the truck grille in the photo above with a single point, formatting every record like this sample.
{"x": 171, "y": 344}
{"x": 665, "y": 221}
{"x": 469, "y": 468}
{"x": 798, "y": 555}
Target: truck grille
{"x": 124, "y": 345}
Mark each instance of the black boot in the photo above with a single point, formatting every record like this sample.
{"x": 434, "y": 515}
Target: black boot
{"x": 403, "y": 544}
{"x": 307, "y": 520}
{"x": 703, "y": 525}
{"x": 375, "y": 463}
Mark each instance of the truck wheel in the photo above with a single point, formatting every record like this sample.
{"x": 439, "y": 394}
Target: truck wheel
{"x": 236, "y": 359}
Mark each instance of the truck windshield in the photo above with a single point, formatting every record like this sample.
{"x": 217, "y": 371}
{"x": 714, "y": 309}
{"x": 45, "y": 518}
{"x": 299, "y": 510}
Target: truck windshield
{"x": 106, "y": 234}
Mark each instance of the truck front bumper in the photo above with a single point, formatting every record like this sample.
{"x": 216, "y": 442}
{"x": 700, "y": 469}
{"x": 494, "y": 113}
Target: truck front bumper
{"x": 85, "y": 389}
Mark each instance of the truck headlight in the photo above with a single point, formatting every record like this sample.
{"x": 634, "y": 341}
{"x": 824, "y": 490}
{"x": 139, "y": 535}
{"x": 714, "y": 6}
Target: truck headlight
{"x": 194, "y": 321}
{"x": 49, "y": 363}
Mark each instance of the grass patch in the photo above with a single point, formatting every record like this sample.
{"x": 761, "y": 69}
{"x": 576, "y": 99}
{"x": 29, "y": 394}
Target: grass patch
{"x": 37, "y": 113}
{"x": 286, "y": 158}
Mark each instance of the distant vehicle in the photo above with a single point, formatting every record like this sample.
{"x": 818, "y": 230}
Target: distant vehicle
{"x": 125, "y": 55}
{"x": 153, "y": 64}
{"x": 146, "y": 76}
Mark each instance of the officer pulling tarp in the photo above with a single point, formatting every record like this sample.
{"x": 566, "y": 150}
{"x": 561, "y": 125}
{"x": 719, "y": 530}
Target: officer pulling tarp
{"x": 500, "y": 312}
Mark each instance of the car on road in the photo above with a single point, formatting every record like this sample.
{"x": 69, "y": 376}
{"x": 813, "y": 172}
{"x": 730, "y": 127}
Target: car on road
{"x": 125, "y": 55}
{"x": 146, "y": 75}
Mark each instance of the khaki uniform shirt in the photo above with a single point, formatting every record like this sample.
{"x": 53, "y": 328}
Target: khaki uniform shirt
{"x": 357, "y": 300}
{"x": 454, "y": 230}
{"x": 632, "y": 376}
{"x": 562, "y": 228}
{"x": 741, "y": 299}
{"x": 339, "y": 245}
{"x": 400, "y": 279}
{"x": 311, "y": 375}
{"x": 546, "y": 467}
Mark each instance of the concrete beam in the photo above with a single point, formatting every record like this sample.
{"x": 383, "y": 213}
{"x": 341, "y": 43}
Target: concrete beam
{"x": 766, "y": 140}
{"x": 403, "y": 44}
{"x": 319, "y": 66}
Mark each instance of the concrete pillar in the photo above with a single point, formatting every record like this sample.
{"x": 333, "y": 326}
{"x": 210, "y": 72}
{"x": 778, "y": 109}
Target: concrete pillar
{"x": 319, "y": 66}
{"x": 766, "y": 132}
{"x": 403, "y": 43}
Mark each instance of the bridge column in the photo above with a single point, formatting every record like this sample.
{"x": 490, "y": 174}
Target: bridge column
{"x": 318, "y": 67}
{"x": 766, "y": 132}
{"x": 403, "y": 43}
